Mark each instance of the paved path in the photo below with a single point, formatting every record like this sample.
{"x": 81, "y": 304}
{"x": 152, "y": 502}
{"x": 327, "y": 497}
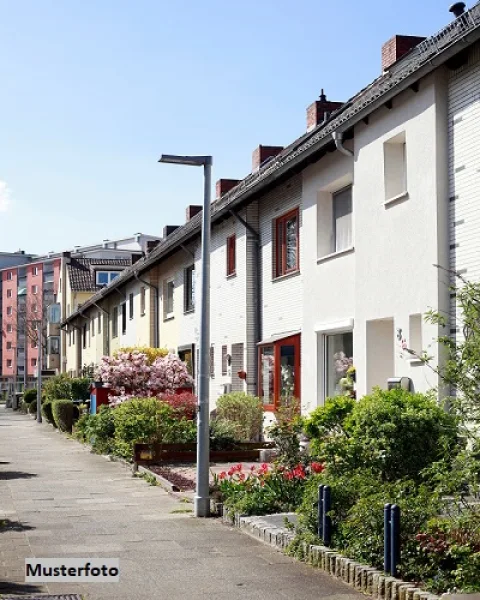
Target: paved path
{"x": 70, "y": 503}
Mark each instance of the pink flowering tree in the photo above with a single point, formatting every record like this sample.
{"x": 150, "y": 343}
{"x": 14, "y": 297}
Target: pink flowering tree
{"x": 130, "y": 375}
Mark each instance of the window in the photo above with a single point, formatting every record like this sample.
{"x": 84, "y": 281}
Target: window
{"x": 231, "y": 255}
{"x": 130, "y": 306}
{"x": 34, "y": 308}
{"x": 9, "y": 363}
{"x": 9, "y": 345}
{"x": 189, "y": 288}
{"x": 34, "y": 270}
{"x": 115, "y": 321}
{"x": 212, "y": 361}
{"x": 92, "y": 326}
{"x": 35, "y": 325}
{"x": 99, "y": 322}
{"x": 34, "y": 289}
{"x": 395, "y": 167}
{"x": 9, "y": 275}
{"x": 224, "y": 360}
{"x": 73, "y": 336}
{"x": 9, "y": 310}
{"x": 34, "y": 344}
{"x": 70, "y": 337}
{"x": 142, "y": 301}
{"x": 84, "y": 335}
{"x": 415, "y": 326}
{"x": 33, "y": 362}
{"x": 106, "y": 277}
{"x": 186, "y": 353}
{"x": 168, "y": 301}
{"x": 286, "y": 244}
{"x": 338, "y": 358}
{"x": 124, "y": 318}
{"x": 9, "y": 293}
{"x": 279, "y": 376}
{"x": 53, "y": 345}
{"x": 9, "y": 328}
{"x": 342, "y": 220}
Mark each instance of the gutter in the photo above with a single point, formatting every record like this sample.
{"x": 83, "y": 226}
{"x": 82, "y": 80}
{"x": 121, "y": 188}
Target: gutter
{"x": 338, "y": 139}
{"x": 156, "y": 301}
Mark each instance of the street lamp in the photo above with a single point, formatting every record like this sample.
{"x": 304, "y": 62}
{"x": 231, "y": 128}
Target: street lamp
{"x": 202, "y": 497}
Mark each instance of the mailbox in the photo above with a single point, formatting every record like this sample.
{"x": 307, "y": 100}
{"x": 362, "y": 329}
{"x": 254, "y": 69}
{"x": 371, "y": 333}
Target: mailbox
{"x": 98, "y": 396}
{"x": 400, "y": 383}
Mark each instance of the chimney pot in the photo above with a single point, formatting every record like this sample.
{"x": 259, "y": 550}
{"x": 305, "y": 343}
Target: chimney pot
{"x": 457, "y": 9}
{"x": 396, "y": 47}
{"x": 319, "y": 111}
{"x": 262, "y": 153}
{"x": 192, "y": 210}
{"x": 225, "y": 185}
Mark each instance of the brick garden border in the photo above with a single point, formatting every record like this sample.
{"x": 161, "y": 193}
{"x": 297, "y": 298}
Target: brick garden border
{"x": 363, "y": 578}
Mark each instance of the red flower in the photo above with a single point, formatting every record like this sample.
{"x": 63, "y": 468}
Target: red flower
{"x": 238, "y": 468}
{"x": 299, "y": 472}
{"x": 252, "y": 468}
{"x": 242, "y": 476}
{"x": 222, "y": 475}
{"x": 317, "y": 467}
{"x": 288, "y": 475}
{"x": 231, "y": 471}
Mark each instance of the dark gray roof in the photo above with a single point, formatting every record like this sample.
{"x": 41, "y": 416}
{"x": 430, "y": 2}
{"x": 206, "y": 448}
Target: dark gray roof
{"x": 82, "y": 271}
{"x": 419, "y": 62}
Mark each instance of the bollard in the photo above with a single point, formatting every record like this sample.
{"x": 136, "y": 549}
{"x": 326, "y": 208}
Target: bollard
{"x": 327, "y": 521}
{"x": 395, "y": 539}
{"x": 387, "y": 545}
{"x": 320, "y": 511}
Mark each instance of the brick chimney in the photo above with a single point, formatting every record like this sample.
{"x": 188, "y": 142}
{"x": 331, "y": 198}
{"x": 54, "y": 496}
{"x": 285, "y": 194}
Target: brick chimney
{"x": 320, "y": 110}
{"x": 261, "y": 154}
{"x": 168, "y": 229}
{"x": 397, "y": 47}
{"x": 192, "y": 210}
{"x": 225, "y": 185}
{"x": 151, "y": 244}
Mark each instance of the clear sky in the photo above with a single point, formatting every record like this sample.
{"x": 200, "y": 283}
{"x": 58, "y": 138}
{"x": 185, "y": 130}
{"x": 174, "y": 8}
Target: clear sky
{"x": 93, "y": 92}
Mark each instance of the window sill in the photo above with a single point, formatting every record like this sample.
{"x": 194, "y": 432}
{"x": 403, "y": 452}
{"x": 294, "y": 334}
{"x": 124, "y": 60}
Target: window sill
{"x": 415, "y": 361}
{"x": 142, "y": 314}
{"x": 335, "y": 255}
{"x": 189, "y": 311}
{"x": 169, "y": 317}
{"x": 231, "y": 275}
{"x": 286, "y": 276}
{"x": 402, "y": 196}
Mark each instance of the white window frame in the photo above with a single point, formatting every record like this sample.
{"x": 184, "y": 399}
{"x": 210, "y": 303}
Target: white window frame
{"x": 335, "y": 195}
{"x": 9, "y": 275}
{"x": 34, "y": 289}
{"x": 34, "y": 270}
{"x": 323, "y": 330}
{"x": 9, "y": 293}
{"x": 169, "y": 314}
{"x": 109, "y": 276}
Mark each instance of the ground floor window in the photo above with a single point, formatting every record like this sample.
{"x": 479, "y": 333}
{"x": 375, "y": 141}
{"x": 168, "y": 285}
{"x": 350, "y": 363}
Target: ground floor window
{"x": 279, "y": 377}
{"x": 338, "y": 358}
{"x": 186, "y": 353}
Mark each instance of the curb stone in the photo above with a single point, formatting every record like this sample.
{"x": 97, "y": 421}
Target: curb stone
{"x": 363, "y": 578}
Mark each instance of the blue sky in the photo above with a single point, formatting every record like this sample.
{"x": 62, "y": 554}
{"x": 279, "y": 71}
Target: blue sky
{"x": 93, "y": 92}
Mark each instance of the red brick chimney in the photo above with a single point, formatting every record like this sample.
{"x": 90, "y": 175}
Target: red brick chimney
{"x": 397, "y": 47}
{"x": 225, "y": 185}
{"x": 261, "y": 154}
{"x": 192, "y": 210}
{"x": 319, "y": 110}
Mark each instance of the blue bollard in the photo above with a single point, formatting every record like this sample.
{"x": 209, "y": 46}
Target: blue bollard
{"x": 320, "y": 511}
{"x": 327, "y": 521}
{"x": 395, "y": 539}
{"x": 387, "y": 546}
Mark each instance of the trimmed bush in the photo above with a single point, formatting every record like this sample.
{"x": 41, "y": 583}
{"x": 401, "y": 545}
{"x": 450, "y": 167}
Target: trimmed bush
{"x": 63, "y": 414}
{"x": 32, "y": 407}
{"x": 47, "y": 412}
{"x": 245, "y": 411}
{"x": 30, "y": 395}
{"x": 223, "y": 435}
{"x": 80, "y": 388}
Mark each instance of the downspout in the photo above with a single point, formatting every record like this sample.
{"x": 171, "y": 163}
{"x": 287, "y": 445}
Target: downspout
{"x": 156, "y": 337}
{"x": 257, "y": 290}
{"x": 338, "y": 139}
{"x": 82, "y": 341}
{"x": 106, "y": 329}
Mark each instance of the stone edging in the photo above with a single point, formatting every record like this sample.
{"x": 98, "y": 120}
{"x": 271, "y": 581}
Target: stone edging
{"x": 361, "y": 577}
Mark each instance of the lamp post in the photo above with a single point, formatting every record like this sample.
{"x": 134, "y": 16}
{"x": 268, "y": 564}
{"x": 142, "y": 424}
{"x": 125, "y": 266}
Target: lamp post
{"x": 39, "y": 370}
{"x": 202, "y": 497}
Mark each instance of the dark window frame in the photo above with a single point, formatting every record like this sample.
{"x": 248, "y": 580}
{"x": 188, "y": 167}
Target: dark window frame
{"x": 231, "y": 255}
{"x": 189, "y": 289}
{"x": 280, "y": 234}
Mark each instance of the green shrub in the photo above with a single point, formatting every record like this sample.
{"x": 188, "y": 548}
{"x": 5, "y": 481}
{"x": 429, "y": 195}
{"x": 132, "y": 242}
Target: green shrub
{"x": 285, "y": 432}
{"x": 63, "y": 414}
{"x": 98, "y": 430}
{"x": 48, "y": 413}
{"x": 80, "y": 388}
{"x": 32, "y": 408}
{"x": 223, "y": 435}
{"x": 397, "y": 433}
{"x": 245, "y": 411}
{"x": 30, "y": 395}
{"x": 64, "y": 387}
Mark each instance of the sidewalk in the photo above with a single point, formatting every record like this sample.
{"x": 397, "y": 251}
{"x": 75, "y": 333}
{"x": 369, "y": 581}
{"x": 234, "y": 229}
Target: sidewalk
{"x": 61, "y": 501}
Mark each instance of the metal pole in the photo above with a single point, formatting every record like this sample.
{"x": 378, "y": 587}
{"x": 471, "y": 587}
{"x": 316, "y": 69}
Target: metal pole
{"x": 387, "y": 512}
{"x": 327, "y": 519}
{"x": 39, "y": 373}
{"x": 202, "y": 497}
{"x": 320, "y": 511}
{"x": 395, "y": 540}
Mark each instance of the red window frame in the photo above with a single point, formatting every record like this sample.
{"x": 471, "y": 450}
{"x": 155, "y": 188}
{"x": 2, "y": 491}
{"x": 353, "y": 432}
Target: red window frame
{"x": 281, "y": 245}
{"x": 231, "y": 255}
{"x": 294, "y": 341}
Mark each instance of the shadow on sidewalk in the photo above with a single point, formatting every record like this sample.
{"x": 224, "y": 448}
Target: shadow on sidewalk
{"x": 19, "y": 589}
{"x": 7, "y": 525}
{"x": 16, "y": 475}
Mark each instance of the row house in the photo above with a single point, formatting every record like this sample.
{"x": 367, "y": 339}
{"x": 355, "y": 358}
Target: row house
{"x": 40, "y": 291}
{"x": 333, "y": 249}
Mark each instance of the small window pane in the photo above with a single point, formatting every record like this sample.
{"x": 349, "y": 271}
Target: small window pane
{"x": 339, "y": 357}
{"x": 342, "y": 215}
{"x": 291, "y": 243}
{"x": 267, "y": 374}
{"x": 287, "y": 372}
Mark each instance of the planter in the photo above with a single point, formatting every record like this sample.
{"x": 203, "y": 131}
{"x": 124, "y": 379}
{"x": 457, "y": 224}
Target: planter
{"x": 150, "y": 453}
